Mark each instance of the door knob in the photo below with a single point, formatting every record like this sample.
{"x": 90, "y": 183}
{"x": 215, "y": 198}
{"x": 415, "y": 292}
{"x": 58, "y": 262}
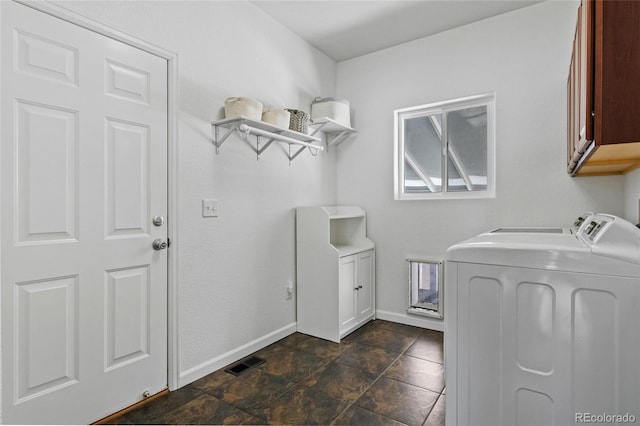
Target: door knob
{"x": 158, "y": 244}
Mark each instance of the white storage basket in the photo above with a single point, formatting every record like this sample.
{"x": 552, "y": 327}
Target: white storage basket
{"x": 336, "y": 109}
{"x": 277, "y": 117}
{"x": 246, "y": 107}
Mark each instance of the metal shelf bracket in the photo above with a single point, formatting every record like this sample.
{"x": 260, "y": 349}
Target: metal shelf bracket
{"x": 244, "y": 127}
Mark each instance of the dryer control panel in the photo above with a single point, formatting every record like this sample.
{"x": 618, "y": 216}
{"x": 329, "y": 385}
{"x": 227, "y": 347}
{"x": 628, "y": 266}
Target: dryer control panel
{"x": 611, "y": 236}
{"x": 581, "y": 221}
{"x": 593, "y": 228}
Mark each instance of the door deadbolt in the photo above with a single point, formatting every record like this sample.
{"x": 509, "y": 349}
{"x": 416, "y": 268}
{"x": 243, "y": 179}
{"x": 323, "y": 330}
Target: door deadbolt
{"x": 158, "y": 220}
{"x": 158, "y": 244}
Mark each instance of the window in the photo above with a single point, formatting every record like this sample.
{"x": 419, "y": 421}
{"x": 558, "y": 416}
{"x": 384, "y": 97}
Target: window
{"x": 425, "y": 287}
{"x": 445, "y": 150}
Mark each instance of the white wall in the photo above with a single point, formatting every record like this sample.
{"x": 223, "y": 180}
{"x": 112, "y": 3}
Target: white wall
{"x": 632, "y": 196}
{"x": 233, "y": 269}
{"x": 523, "y": 56}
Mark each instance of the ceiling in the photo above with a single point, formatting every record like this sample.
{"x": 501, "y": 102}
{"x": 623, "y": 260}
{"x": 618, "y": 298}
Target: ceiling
{"x": 345, "y": 29}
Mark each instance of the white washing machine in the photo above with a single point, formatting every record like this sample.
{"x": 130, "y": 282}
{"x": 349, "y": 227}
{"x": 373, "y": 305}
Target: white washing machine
{"x": 542, "y": 325}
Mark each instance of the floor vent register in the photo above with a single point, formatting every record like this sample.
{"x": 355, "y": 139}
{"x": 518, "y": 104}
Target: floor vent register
{"x": 244, "y": 365}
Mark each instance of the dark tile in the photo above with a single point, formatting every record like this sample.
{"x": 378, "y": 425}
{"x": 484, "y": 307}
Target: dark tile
{"x": 398, "y": 328}
{"x": 436, "y": 416}
{"x": 152, "y": 412}
{"x": 340, "y": 381}
{"x": 307, "y": 380}
{"x": 323, "y": 348}
{"x": 433, "y": 334}
{"x": 429, "y": 348}
{"x": 249, "y": 391}
{"x": 419, "y": 372}
{"x": 295, "y": 340}
{"x": 213, "y": 381}
{"x": 303, "y": 406}
{"x": 369, "y": 358}
{"x": 400, "y": 401}
{"x": 207, "y": 410}
{"x": 359, "y": 416}
{"x": 289, "y": 364}
{"x": 382, "y": 338}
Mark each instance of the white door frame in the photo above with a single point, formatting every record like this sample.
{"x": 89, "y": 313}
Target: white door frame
{"x": 172, "y": 138}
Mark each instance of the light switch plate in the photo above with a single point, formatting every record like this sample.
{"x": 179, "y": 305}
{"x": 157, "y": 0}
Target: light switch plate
{"x": 209, "y": 208}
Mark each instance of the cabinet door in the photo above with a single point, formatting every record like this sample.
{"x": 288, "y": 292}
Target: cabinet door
{"x": 572, "y": 108}
{"x": 586, "y": 58}
{"x": 365, "y": 281}
{"x": 347, "y": 296}
{"x": 580, "y": 87}
{"x": 617, "y": 42}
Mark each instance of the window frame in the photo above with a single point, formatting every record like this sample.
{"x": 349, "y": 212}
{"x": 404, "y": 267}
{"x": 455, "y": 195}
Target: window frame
{"x": 443, "y": 107}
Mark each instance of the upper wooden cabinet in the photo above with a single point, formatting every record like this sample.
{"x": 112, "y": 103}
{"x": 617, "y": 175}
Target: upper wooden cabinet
{"x": 603, "y": 89}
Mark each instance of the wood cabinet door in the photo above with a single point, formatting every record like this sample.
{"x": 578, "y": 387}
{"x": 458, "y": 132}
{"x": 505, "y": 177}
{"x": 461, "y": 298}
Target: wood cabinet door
{"x": 580, "y": 87}
{"x": 572, "y": 152}
{"x": 586, "y": 87}
{"x": 617, "y": 67}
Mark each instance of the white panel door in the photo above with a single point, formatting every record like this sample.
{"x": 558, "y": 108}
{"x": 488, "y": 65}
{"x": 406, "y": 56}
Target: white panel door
{"x": 83, "y": 172}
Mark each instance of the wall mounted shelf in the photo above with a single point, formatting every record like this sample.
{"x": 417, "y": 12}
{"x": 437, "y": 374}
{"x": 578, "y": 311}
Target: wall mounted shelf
{"x": 336, "y": 132}
{"x": 244, "y": 126}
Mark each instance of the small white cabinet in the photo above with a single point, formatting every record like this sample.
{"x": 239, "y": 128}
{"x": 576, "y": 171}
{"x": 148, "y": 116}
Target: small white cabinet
{"x": 356, "y": 284}
{"x": 335, "y": 271}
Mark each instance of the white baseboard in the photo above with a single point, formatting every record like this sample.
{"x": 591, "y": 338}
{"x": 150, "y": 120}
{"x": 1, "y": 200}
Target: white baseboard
{"x": 236, "y": 354}
{"x": 414, "y": 320}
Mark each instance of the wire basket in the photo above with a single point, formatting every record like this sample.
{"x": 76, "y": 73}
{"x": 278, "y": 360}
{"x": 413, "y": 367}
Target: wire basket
{"x": 298, "y": 121}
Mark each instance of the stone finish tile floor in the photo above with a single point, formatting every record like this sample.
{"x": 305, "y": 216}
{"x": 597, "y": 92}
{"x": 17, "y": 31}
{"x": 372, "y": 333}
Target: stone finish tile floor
{"x": 382, "y": 374}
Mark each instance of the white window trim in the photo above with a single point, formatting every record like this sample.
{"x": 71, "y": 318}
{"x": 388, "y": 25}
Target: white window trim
{"x": 399, "y": 115}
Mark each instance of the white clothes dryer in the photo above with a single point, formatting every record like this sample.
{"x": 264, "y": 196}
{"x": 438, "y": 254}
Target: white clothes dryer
{"x": 542, "y": 325}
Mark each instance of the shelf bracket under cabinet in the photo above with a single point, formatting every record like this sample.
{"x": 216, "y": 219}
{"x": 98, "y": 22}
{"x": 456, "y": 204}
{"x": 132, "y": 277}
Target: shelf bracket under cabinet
{"x": 244, "y": 127}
